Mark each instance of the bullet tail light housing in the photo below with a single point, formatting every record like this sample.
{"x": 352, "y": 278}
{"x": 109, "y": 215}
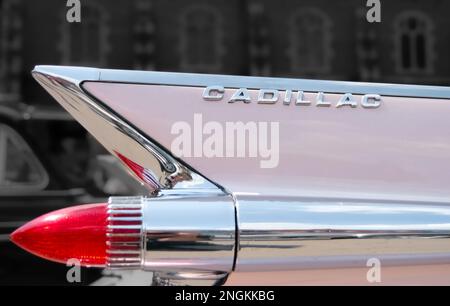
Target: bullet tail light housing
{"x": 166, "y": 233}
{"x": 96, "y": 235}
{"x": 210, "y": 235}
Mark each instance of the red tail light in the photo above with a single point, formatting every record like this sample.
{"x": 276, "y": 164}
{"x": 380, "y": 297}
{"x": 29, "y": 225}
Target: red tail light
{"x": 73, "y": 233}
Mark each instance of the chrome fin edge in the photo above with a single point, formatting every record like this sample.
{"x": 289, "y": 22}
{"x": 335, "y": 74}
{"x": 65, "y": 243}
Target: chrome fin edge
{"x": 153, "y": 165}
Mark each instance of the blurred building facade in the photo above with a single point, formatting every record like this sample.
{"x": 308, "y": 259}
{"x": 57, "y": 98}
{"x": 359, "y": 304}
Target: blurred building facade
{"x": 292, "y": 38}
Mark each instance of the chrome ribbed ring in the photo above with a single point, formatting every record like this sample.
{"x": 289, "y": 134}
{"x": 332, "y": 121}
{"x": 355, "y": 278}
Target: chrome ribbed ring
{"x": 124, "y": 233}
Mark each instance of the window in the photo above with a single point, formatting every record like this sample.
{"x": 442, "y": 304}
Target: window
{"x": 19, "y": 167}
{"x": 201, "y": 47}
{"x": 413, "y": 35}
{"x": 310, "y": 50}
{"x": 85, "y": 43}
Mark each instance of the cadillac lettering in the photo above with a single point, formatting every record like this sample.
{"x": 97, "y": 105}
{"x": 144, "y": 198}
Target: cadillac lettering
{"x": 273, "y": 96}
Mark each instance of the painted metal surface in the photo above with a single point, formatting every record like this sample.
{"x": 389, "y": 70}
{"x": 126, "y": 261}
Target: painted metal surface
{"x": 398, "y": 151}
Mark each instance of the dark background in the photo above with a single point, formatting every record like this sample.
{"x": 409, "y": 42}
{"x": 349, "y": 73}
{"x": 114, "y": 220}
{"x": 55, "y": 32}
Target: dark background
{"x": 295, "y": 38}
{"x": 319, "y": 39}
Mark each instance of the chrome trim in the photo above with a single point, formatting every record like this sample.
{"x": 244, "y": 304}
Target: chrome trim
{"x": 300, "y": 97}
{"x": 347, "y": 100}
{"x": 204, "y": 80}
{"x": 161, "y": 169}
{"x": 320, "y": 100}
{"x": 342, "y": 87}
{"x": 194, "y": 233}
{"x": 283, "y": 233}
{"x": 220, "y": 90}
{"x": 241, "y": 95}
{"x": 183, "y": 237}
{"x": 273, "y": 93}
{"x": 205, "y": 236}
{"x": 189, "y": 279}
{"x": 124, "y": 233}
{"x": 215, "y": 276}
{"x": 371, "y": 101}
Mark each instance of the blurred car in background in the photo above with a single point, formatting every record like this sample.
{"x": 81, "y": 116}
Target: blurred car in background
{"x": 44, "y": 158}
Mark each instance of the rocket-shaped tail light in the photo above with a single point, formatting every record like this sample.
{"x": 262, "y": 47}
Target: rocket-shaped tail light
{"x": 78, "y": 232}
{"x": 166, "y": 234}
{"x": 97, "y": 235}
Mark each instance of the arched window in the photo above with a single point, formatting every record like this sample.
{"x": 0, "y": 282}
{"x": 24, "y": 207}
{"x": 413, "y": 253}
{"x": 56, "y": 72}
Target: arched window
{"x": 413, "y": 36}
{"x": 201, "y": 47}
{"x": 86, "y": 42}
{"x": 310, "y": 38}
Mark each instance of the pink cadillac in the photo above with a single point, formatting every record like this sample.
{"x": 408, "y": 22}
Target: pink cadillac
{"x": 259, "y": 181}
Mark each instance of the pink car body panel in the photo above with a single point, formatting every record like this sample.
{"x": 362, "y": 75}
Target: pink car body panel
{"x": 430, "y": 275}
{"x": 400, "y": 150}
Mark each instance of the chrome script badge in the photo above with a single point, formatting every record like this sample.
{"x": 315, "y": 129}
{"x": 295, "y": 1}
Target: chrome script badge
{"x": 273, "y": 96}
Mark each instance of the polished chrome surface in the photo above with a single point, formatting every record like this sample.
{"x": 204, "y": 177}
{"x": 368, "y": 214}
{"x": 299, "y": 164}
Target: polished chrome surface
{"x": 321, "y": 101}
{"x": 347, "y": 100}
{"x": 283, "y": 233}
{"x": 194, "y": 236}
{"x": 182, "y": 236}
{"x": 191, "y": 79}
{"x": 241, "y": 95}
{"x": 371, "y": 101}
{"x": 124, "y": 233}
{"x": 189, "y": 279}
{"x": 268, "y": 96}
{"x": 213, "y": 93}
{"x": 300, "y": 99}
{"x": 160, "y": 168}
{"x": 272, "y": 96}
{"x": 193, "y": 233}
{"x": 288, "y": 97}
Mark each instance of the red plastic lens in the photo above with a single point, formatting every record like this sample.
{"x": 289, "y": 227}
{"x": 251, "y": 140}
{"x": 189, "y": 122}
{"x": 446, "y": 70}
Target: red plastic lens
{"x": 73, "y": 233}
